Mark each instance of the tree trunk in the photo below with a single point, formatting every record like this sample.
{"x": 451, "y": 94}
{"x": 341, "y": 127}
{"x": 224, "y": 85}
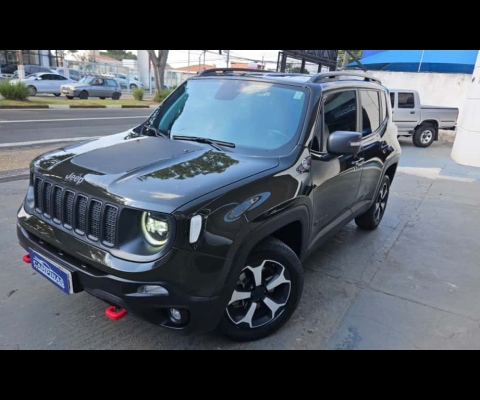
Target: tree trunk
{"x": 159, "y": 63}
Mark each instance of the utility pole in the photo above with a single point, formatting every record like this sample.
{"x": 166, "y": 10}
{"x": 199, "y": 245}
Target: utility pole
{"x": 21, "y": 68}
{"x": 228, "y": 58}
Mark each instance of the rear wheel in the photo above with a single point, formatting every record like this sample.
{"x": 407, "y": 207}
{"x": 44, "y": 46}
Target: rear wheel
{"x": 83, "y": 95}
{"x": 102, "y": 98}
{"x": 56, "y": 94}
{"x": 372, "y": 218}
{"x": 267, "y": 293}
{"x": 33, "y": 90}
{"x": 69, "y": 97}
{"x": 133, "y": 86}
{"x": 424, "y": 136}
{"x": 116, "y": 96}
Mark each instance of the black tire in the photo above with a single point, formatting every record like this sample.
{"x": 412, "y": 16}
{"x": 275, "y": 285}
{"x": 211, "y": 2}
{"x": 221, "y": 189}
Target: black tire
{"x": 424, "y": 136}
{"x": 275, "y": 260}
{"x": 133, "y": 86}
{"x": 83, "y": 95}
{"x": 69, "y": 97}
{"x": 56, "y": 94}
{"x": 102, "y": 98}
{"x": 116, "y": 96}
{"x": 33, "y": 90}
{"x": 373, "y": 217}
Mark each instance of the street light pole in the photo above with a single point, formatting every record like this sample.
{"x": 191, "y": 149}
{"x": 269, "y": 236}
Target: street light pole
{"x": 21, "y": 68}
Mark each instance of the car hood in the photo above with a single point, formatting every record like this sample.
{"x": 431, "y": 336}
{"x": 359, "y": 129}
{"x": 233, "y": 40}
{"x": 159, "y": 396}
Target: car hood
{"x": 152, "y": 173}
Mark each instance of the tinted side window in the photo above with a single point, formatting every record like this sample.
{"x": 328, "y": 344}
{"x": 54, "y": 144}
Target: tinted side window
{"x": 111, "y": 82}
{"x": 392, "y": 99}
{"x": 370, "y": 111}
{"x": 340, "y": 113}
{"x": 406, "y": 100}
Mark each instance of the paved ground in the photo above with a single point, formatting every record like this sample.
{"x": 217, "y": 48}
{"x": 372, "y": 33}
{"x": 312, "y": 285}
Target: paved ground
{"x": 32, "y": 125}
{"x": 412, "y": 284}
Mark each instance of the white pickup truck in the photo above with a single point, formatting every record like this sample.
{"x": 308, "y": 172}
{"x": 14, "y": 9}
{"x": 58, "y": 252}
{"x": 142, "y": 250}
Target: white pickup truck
{"x": 417, "y": 121}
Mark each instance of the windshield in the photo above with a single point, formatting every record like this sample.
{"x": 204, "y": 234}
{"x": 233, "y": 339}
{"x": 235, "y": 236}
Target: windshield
{"x": 86, "y": 79}
{"x": 254, "y": 115}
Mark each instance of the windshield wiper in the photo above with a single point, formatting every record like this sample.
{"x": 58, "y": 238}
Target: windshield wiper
{"x": 158, "y": 132}
{"x": 212, "y": 142}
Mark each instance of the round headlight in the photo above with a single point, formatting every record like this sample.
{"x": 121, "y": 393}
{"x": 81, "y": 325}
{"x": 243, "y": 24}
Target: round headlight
{"x": 156, "y": 229}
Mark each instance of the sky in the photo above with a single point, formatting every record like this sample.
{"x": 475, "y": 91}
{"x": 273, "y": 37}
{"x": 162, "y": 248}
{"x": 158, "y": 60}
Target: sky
{"x": 179, "y": 58}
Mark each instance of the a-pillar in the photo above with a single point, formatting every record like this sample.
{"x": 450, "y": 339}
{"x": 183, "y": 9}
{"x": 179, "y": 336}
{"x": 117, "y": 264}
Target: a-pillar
{"x": 466, "y": 149}
{"x": 144, "y": 67}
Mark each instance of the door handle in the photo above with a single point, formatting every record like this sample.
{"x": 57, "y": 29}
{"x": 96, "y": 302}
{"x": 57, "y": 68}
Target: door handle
{"x": 386, "y": 148}
{"x": 412, "y": 112}
{"x": 358, "y": 163}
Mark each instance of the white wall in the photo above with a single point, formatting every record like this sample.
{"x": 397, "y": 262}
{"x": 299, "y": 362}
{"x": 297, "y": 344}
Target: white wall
{"x": 444, "y": 90}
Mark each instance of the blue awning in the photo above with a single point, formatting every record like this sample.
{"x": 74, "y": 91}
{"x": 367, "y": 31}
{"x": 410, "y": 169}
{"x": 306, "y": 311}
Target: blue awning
{"x": 446, "y": 61}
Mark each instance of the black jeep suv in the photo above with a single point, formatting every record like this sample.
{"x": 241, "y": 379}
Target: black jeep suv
{"x": 201, "y": 217}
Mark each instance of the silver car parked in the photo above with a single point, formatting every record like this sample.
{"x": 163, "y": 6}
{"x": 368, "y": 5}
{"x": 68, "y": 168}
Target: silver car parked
{"x": 93, "y": 86}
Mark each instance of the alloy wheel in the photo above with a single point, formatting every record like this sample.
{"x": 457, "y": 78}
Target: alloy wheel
{"x": 261, "y": 295}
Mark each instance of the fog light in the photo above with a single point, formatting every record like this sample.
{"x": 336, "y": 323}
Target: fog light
{"x": 153, "y": 290}
{"x": 178, "y": 317}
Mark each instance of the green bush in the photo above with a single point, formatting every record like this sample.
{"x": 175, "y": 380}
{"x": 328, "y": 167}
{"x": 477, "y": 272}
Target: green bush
{"x": 138, "y": 94}
{"x": 162, "y": 95}
{"x": 17, "y": 91}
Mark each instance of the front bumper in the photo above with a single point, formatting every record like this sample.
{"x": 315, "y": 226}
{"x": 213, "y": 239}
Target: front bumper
{"x": 203, "y": 313}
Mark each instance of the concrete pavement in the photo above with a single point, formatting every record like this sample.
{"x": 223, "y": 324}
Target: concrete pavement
{"x": 412, "y": 284}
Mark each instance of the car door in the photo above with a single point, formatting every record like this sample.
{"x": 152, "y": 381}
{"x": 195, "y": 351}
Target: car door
{"x": 335, "y": 179}
{"x": 405, "y": 113}
{"x": 375, "y": 150}
{"x": 96, "y": 87}
{"x": 50, "y": 83}
{"x": 42, "y": 83}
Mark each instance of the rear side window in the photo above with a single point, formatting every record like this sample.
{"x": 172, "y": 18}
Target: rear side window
{"x": 111, "y": 82}
{"x": 383, "y": 103}
{"x": 370, "y": 111}
{"x": 406, "y": 100}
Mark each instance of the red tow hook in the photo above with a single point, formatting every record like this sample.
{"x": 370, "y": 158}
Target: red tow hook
{"x": 26, "y": 259}
{"x": 115, "y": 314}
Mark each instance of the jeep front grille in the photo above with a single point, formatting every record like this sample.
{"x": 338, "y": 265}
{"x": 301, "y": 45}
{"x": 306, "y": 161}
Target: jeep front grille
{"x": 76, "y": 211}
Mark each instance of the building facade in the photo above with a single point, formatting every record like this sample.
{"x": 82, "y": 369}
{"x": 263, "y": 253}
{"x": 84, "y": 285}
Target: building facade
{"x": 46, "y": 58}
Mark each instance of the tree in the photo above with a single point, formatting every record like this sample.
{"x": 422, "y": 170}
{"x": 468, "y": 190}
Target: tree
{"x": 341, "y": 57}
{"x": 298, "y": 70}
{"x": 159, "y": 64}
{"x": 119, "y": 54}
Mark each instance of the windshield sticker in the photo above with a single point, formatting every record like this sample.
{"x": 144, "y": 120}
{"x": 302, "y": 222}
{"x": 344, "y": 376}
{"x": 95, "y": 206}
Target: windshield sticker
{"x": 298, "y": 95}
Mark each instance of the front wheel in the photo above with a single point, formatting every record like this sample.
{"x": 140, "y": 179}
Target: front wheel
{"x": 424, "y": 136}
{"x": 267, "y": 293}
{"x": 69, "y": 97}
{"x": 56, "y": 94}
{"x": 372, "y": 218}
{"x": 133, "y": 86}
{"x": 83, "y": 95}
{"x": 32, "y": 90}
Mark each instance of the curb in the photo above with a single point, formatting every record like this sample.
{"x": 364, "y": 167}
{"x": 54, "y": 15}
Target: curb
{"x": 68, "y": 107}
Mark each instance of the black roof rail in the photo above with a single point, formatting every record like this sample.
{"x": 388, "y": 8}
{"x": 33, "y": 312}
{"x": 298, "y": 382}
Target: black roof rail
{"x": 219, "y": 71}
{"x": 330, "y": 75}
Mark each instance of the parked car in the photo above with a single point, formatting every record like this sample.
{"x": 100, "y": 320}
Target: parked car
{"x": 74, "y": 74}
{"x": 44, "y": 83}
{"x": 127, "y": 83}
{"x": 33, "y": 69}
{"x": 420, "y": 122}
{"x": 8, "y": 69}
{"x": 93, "y": 86}
{"x": 202, "y": 215}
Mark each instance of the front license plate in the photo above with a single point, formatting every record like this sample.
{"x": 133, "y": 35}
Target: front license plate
{"x": 56, "y": 274}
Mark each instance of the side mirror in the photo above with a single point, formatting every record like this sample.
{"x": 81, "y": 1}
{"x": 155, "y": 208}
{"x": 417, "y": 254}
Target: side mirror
{"x": 342, "y": 143}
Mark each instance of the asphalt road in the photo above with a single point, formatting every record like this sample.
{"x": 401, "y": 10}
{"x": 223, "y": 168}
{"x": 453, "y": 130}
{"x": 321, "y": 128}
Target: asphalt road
{"x": 411, "y": 284}
{"x": 34, "y": 125}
